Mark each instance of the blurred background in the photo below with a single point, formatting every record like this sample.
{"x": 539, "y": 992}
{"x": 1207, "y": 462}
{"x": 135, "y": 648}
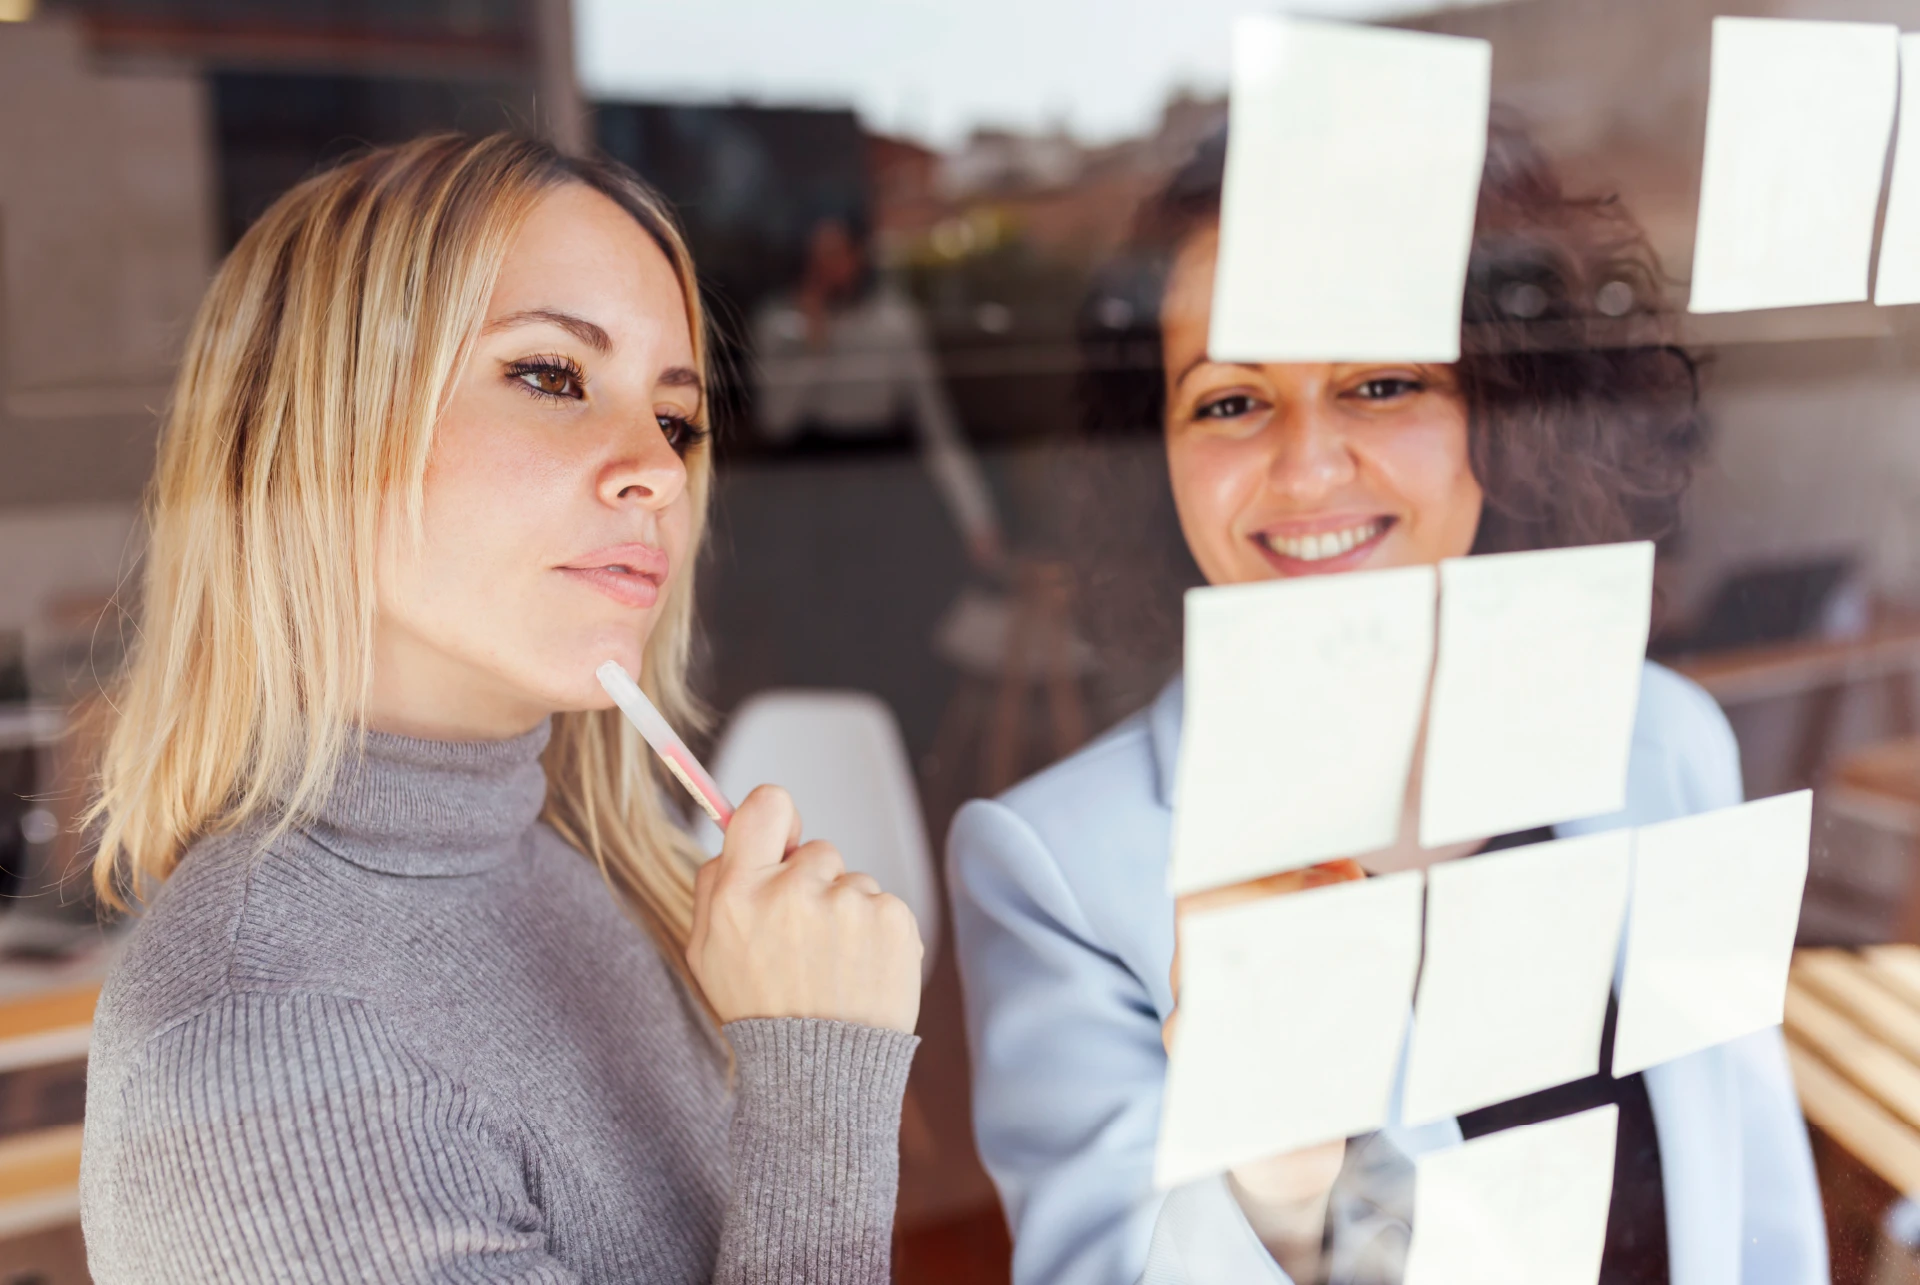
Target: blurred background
{"x": 954, "y": 178}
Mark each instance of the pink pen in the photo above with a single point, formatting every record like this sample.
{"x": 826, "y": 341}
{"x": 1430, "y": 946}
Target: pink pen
{"x": 665, "y": 742}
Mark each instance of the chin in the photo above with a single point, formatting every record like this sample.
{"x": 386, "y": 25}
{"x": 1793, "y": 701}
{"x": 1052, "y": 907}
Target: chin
{"x": 569, "y": 679}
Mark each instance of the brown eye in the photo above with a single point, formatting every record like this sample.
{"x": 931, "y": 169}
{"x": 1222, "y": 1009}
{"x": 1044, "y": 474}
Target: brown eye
{"x": 1230, "y": 407}
{"x": 682, "y": 434}
{"x": 1387, "y": 388}
{"x": 549, "y": 377}
{"x": 556, "y": 383}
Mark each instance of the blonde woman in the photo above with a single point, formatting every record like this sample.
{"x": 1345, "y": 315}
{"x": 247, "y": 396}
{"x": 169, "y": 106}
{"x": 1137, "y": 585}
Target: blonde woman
{"x": 426, "y": 986}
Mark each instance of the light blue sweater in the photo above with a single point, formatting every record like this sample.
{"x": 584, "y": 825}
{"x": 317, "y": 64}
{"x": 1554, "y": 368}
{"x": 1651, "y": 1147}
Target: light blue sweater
{"x": 1065, "y": 936}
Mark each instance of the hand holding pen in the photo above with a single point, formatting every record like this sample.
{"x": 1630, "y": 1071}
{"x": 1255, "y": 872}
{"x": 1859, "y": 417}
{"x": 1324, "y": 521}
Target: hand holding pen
{"x": 782, "y": 928}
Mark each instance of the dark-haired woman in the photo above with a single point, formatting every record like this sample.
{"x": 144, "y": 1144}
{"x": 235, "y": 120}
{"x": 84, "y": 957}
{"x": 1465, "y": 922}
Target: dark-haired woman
{"x": 1569, "y": 419}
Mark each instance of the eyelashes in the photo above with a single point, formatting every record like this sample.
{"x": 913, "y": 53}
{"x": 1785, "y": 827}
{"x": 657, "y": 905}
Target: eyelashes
{"x": 1232, "y": 406}
{"x": 557, "y": 378}
{"x": 552, "y": 378}
{"x": 1387, "y": 387}
{"x": 1376, "y": 389}
{"x": 682, "y": 433}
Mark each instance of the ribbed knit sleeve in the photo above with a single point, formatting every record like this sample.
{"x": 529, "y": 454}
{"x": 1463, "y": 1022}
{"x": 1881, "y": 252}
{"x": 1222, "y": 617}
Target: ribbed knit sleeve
{"x": 296, "y": 1138}
{"x": 816, "y": 1152}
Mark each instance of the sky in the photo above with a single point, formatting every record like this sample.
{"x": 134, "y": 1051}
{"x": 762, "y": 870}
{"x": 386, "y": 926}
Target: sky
{"x": 932, "y": 70}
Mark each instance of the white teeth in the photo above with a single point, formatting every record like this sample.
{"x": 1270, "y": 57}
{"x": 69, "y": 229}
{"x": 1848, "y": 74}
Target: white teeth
{"x": 1326, "y": 544}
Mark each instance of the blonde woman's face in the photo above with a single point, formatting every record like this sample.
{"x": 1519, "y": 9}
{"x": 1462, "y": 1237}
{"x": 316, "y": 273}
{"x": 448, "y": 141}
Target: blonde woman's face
{"x": 556, "y": 514}
{"x": 1308, "y": 468}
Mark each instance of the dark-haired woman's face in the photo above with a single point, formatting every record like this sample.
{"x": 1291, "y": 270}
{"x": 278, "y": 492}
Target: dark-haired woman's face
{"x": 1294, "y": 469}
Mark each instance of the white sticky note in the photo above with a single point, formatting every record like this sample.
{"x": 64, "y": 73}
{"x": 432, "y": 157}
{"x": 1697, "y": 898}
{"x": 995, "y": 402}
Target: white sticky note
{"x": 1798, "y": 117}
{"x": 1525, "y": 1206}
{"x": 1535, "y": 690}
{"x": 1519, "y": 962}
{"x": 1328, "y": 251}
{"x": 1291, "y": 1014}
{"x": 1715, "y": 902}
{"x": 1899, "y": 274}
{"x": 1303, "y": 701}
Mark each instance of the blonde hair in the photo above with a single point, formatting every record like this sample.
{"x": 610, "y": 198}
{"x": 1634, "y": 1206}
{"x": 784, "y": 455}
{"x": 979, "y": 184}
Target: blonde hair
{"x": 315, "y": 372}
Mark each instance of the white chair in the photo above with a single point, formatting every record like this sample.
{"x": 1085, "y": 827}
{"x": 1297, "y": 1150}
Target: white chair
{"x": 841, "y": 757}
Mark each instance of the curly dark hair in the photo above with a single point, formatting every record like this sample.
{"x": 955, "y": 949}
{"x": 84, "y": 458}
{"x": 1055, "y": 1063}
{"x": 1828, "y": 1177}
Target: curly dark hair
{"x": 1583, "y": 412}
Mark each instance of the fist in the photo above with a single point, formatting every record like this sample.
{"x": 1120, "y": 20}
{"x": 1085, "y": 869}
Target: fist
{"x": 783, "y": 929}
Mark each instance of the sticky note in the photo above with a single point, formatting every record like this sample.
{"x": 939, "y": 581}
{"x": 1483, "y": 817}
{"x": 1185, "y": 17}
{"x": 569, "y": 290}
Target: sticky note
{"x": 1899, "y": 273}
{"x": 1302, "y": 709}
{"x": 1715, "y": 902}
{"x": 1525, "y": 1206}
{"x": 1291, "y": 1015}
{"x": 1353, "y": 168}
{"x": 1535, "y": 689}
{"x": 1798, "y": 117}
{"x": 1520, "y": 951}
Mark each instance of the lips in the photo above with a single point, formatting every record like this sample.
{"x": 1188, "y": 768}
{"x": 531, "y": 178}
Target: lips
{"x": 1330, "y": 547}
{"x": 630, "y": 574}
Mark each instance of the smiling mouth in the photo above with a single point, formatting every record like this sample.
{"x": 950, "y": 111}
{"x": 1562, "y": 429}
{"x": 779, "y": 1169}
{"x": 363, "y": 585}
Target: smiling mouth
{"x": 1323, "y": 546}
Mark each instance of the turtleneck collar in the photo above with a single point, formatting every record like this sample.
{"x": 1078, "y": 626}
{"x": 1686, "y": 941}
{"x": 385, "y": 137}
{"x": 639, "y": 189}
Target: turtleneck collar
{"x": 427, "y": 808}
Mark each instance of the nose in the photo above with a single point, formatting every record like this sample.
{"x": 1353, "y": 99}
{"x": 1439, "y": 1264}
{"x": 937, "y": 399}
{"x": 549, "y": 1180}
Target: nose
{"x": 1310, "y": 454}
{"x": 646, "y": 471}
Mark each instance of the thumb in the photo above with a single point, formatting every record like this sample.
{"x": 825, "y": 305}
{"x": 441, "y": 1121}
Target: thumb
{"x": 703, "y": 881}
{"x": 764, "y": 828}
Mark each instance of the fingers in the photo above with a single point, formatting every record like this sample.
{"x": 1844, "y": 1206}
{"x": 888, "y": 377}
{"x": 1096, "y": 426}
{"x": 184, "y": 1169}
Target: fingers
{"x": 1345, "y": 870}
{"x": 802, "y": 937}
{"x": 703, "y": 884}
{"x": 1274, "y": 885}
{"x": 793, "y": 824}
{"x": 817, "y": 860}
{"x": 1293, "y": 1177}
{"x": 764, "y": 828}
{"x": 855, "y": 881}
{"x": 898, "y": 917}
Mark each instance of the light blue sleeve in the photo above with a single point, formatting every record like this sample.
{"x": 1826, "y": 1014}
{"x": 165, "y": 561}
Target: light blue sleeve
{"x": 1067, "y": 1072}
{"x": 1783, "y": 1233}
{"x": 1701, "y": 752}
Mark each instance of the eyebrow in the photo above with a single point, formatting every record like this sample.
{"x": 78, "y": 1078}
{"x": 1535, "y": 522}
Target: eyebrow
{"x": 681, "y": 377}
{"x": 595, "y": 338}
{"x": 579, "y": 327}
{"x": 684, "y": 377}
{"x": 1188, "y": 369}
{"x": 1204, "y": 360}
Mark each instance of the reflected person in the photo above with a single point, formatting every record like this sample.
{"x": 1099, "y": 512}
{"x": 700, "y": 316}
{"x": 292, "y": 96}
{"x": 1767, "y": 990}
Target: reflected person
{"x": 1569, "y": 419}
{"x": 844, "y": 359}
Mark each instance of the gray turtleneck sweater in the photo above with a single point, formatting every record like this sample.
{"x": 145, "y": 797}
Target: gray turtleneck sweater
{"x": 419, "y": 1040}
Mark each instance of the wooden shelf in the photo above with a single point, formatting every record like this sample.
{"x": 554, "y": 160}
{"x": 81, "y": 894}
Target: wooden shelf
{"x": 41, "y": 1029}
{"x": 1853, "y": 1037}
{"x": 46, "y": 1004}
{"x": 1773, "y": 670}
{"x": 39, "y": 1180}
